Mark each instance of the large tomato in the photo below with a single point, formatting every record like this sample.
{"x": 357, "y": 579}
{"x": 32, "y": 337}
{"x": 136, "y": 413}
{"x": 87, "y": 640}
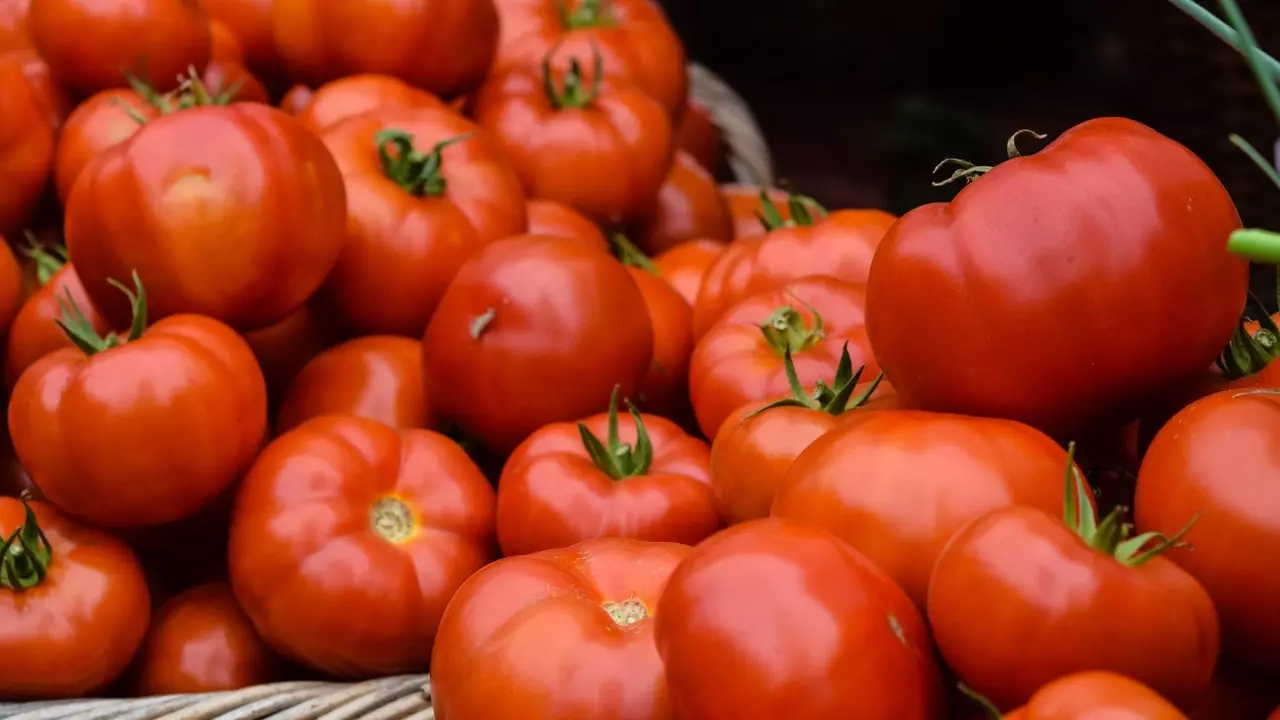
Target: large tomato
{"x": 201, "y": 221}
{"x": 686, "y": 264}
{"x": 154, "y": 40}
{"x": 284, "y": 348}
{"x": 534, "y": 330}
{"x": 354, "y": 95}
{"x": 601, "y": 146}
{"x": 377, "y": 377}
{"x": 13, "y": 25}
{"x": 74, "y": 605}
{"x": 425, "y": 192}
{"x": 1035, "y": 273}
{"x": 636, "y": 40}
{"x": 26, "y": 143}
{"x": 184, "y": 396}
{"x": 1096, "y": 694}
{"x": 371, "y": 529}
{"x": 689, "y": 207}
{"x": 34, "y": 332}
{"x": 742, "y": 358}
{"x": 250, "y": 22}
{"x": 548, "y": 217}
{"x": 698, "y": 135}
{"x": 519, "y": 628}
{"x": 442, "y": 46}
{"x": 777, "y": 619}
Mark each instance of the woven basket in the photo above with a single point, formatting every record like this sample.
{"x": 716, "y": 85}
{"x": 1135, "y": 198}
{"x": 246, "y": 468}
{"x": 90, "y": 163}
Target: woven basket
{"x": 406, "y": 697}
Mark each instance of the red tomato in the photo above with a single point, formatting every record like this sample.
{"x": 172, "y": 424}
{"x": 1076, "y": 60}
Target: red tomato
{"x": 354, "y": 95}
{"x": 297, "y": 99}
{"x": 685, "y": 265}
{"x": 26, "y": 143}
{"x": 214, "y": 246}
{"x": 776, "y": 619}
{"x": 1019, "y": 598}
{"x": 742, "y": 359}
{"x": 285, "y": 348}
{"x": 548, "y": 217}
{"x": 200, "y": 641}
{"x": 1125, "y": 223}
{"x": 424, "y": 194}
{"x": 896, "y": 485}
{"x": 375, "y": 529}
{"x": 665, "y": 388}
{"x": 155, "y": 40}
{"x": 34, "y": 332}
{"x": 232, "y": 82}
{"x": 518, "y": 628}
{"x": 534, "y": 330}
{"x": 74, "y": 605}
{"x": 442, "y": 46}
{"x": 633, "y": 36}
{"x": 377, "y": 377}
{"x": 602, "y": 147}
{"x": 689, "y": 207}
{"x": 745, "y": 207}
{"x": 76, "y": 406}
{"x": 13, "y": 25}
{"x": 699, "y": 135}
{"x": 11, "y": 286}
{"x": 100, "y": 122}
{"x": 250, "y": 22}
{"x": 1216, "y": 457}
{"x": 225, "y": 45}
{"x": 54, "y": 99}
{"x": 1096, "y": 694}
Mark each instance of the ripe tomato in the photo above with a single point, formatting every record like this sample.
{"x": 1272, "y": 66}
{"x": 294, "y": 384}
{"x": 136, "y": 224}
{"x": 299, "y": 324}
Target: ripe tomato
{"x": 603, "y": 146}
{"x": 225, "y": 46}
{"x": 232, "y": 82}
{"x": 104, "y": 120}
{"x": 1019, "y": 598}
{"x": 1126, "y": 223}
{"x": 896, "y": 485}
{"x": 665, "y": 388}
{"x": 354, "y": 95}
{"x": 285, "y": 348}
{"x": 250, "y": 22}
{"x": 155, "y": 40}
{"x": 374, "y": 528}
{"x": 745, "y": 207}
{"x": 698, "y": 135}
{"x": 742, "y": 359}
{"x": 13, "y": 25}
{"x": 11, "y": 286}
{"x": 548, "y": 217}
{"x": 297, "y": 99}
{"x": 685, "y": 265}
{"x": 26, "y": 142}
{"x": 377, "y": 377}
{"x": 319, "y": 42}
{"x": 776, "y": 619}
{"x": 54, "y": 99}
{"x": 74, "y": 605}
{"x": 214, "y": 245}
{"x": 518, "y": 628}
{"x": 75, "y": 406}
{"x": 634, "y": 37}
{"x": 839, "y": 245}
{"x": 1093, "y": 694}
{"x": 534, "y": 330}
{"x": 688, "y": 207}
{"x": 200, "y": 641}
{"x": 424, "y": 194}
{"x": 34, "y": 332}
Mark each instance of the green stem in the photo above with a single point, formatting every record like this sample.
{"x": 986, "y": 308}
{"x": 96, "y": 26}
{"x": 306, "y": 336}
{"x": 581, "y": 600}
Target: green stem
{"x": 26, "y": 555}
{"x": 1248, "y": 45}
{"x": 1248, "y": 353}
{"x": 48, "y": 260}
{"x": 573, "y": 93}
{"x": 993, "y": 712}
{"x": 419, "y": 174}
{"x": 786, "y": 331}
{"x": 81, "y": 332}
{"x": 805, "y": 211}
{"x": 1262, "y": 246}
{"x": 588, "y": 14}
{"x": 617, "y": 459}
{"x": 632, "y": 256}
{"x": 1268, "y": 168}
{"x": 833, "y": 399}
{"x": 1223, "y": 31}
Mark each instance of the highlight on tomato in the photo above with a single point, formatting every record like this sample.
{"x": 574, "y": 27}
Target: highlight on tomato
{"x": 1087, "y": 694}
{"x": 353, "y": 95}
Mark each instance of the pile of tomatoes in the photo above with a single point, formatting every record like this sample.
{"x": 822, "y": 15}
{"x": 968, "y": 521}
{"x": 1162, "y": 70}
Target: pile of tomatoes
{"x": 458, "y": 359}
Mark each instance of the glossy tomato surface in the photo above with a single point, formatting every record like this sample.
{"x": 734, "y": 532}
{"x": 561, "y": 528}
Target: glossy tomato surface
{"x": 688, "y": 207}
{"x": 104, "y": 120}
{"x": 685, "y": 265}
{"x": 548, "y": 217}
{"x": 33, "y": 332}
{"x": 354, "y": 95}
{"x": 26, "y": 142}
{"x": 1096, "y": 694}
{"x": 665, "y": 388}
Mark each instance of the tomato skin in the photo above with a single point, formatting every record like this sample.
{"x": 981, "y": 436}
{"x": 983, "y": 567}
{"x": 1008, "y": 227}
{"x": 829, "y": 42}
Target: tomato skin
{"x": 1120, "y": 195}
{"x": 54, "y": 99}
{"x": 776, "y": 619}
{"x": 684, "y": 265}
{"x": 744, "y": 205}
{"x": 222, "y": 76}
{"x": 365, "y": 600}
{"x": 26, "y": 143}
{"x": 688, "y": 207}
{"x": 520, "y": 626}
{"x": 354, "y": 95}
{"x": 74, "y": 633}
{"x": 13, "y": 25}
{"x": 297, "y": 99}
{"x": 69, "y": 410}
{"x": 200, "y": 641}
{"x": 548, "y": 217}
{"x": 250, "y": 22}
{"x": 225, "y": 46}
{"x": 11, "y": 286}
{"x": 96, "y": 124}
{"x": 214, "y": 246}
{"x": 402, "y": 250}
{"x": 377, "y": 377}
{"x": 665, "y": 388}
{"x": 500, "y": 384}
{"x": 1215, "y": 457}
{"x": 699, "y": 135}
{"x": 606, "y": 160}
{"x": 1017, "y": 600}
{"x": 156, "y": 40}
{"x": 285, "y": 348}
{"x": 33, "y": 333}
{"x": 1095, "y": 694}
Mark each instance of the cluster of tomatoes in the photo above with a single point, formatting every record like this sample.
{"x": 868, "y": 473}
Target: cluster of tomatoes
{"x": 459, "y": 359}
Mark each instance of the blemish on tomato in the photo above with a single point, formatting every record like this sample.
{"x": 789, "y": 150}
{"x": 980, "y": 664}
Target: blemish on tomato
{"x": 628, "y": 612}
{"x": 896, "y": 627}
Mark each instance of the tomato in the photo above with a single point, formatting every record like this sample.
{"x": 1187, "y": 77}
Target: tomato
{"x": 13, "y": 25}
{"x": 699, "y": 135}
{"x": 548, "y": 217}
{"x": 200, "y": 641}
{"x": 1217, "y": 457}
{"x": 839, "y": 245}
{"x": 155, "y": 40}
{"x": 374, "y": 528}
{"x": 297, "y": 99}
{"x": 896, "y": 485}
{"x": 214, "y": 246}
{"x": 745, "y": 207}
{"x": 534, "y": 330}
{"x": 34, "y": 334}
{"x": 776, "y": 619}
{"x": 11, "y": 286}
{"x": 76, "y": 406}
{"x": 234, "y": 82}
{"x": 602, "y": 146}
{"x": 225, "y": 46}
{"x": 689, "y": 207}
{"x": 54, "y": 99}
{"x": 250, "y": 22}
{"x": 665, "y": 388}
{"x": 348, "y": 97}
{"x": 523, "y": 625}
{"x": 684, "y": 265}
{"x": 100, "y": 122}
{"x": 1095, "y": 694}
{"x": 442, "y": 46}
{"x": 74, "y": 605}
{"x": 424, "y": 194}
{"x": 1126, "y": 224}
{"x": 285, "y": 348}
{"x": 26, "y": 143}
{"x": 377, "y": 377}
{"x": 742, "y": 359}
{"x": 1019, "y": 598}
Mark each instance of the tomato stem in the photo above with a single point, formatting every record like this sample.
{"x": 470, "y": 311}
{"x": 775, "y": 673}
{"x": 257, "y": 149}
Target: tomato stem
{"x": 1011, "y": 147}
{"x": 419, "y": 174}
{"x": 632, "y": 256}
{"x": 833, "y": 399}
{"x": 80, "y": 331}
{"x": 804, "y": 212}
{"x": 1261, "y": 246}
{"x": 587, "y": 14}
{"x": 1248, "y": 353}
{"x": 618, "y": 459}
{"x": 48, "y": 260}
{"x": 969, "y": 172}
{"x": 785, "y": 330}
{"x": 573, "y": 93}
{"x": 989, "y": 707}
{"x": 26, "y": 555}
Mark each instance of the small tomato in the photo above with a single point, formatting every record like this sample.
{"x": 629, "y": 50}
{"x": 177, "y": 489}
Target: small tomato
{"x": 104, "y": 120}
{"x": 689, "y": 207}
{"x": 35, "y": 333}
{"x": 699, "y": 135}
{"x": 1096, "y": 694}
{"x": 685, "y": 265}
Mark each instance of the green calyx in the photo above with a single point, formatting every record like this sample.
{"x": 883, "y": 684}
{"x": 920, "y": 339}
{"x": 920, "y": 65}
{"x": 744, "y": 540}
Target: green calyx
{"x": 26, "y": 555}
{"x": 587, "y": 14}
{"x": 631, "y": 256}
{"x": 191, "y": 92}
{"x": 419, "y": 174}
{"x": 992, "y": 712}
{"x": 805, "y": 211}
{"x": 1247, "y": 354}
{"x": 833, "y": 399}
{"x": 617, "y": 459}
{"x": 573, "y": 92}
{"x": 48, "y": 259}
{"x": 786, "y": 331}
{"x": 969, "y": 172}
{"x": 80, "y": 331}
